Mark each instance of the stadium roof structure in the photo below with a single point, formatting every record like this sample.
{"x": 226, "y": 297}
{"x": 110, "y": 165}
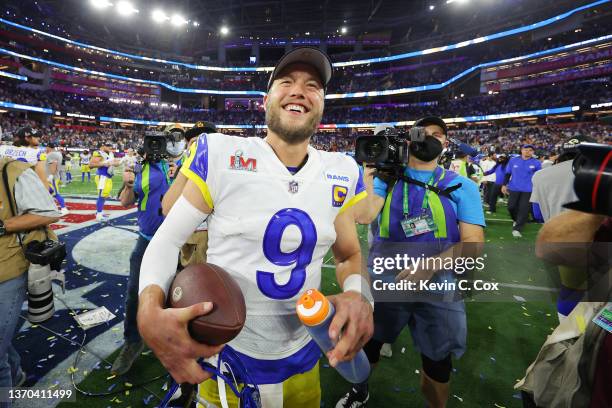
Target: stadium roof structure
{"x": 398, "y": 21}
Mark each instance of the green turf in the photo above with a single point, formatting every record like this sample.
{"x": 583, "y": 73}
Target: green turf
{"x": 77, "y": 187}
{"x": 503, "y": 338}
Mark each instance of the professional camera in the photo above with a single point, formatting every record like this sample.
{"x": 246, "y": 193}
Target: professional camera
{"x": 387, "y": 149}
{"x": 593, "y": 185}
{"x": 47, "y": 252}
{"x": 154, "y": 146}
{"x": 45, "y": 263}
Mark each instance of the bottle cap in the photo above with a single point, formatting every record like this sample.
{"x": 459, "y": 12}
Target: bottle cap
{"x": 312, "y": 307}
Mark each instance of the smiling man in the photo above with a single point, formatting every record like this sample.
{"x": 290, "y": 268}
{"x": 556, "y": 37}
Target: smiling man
{"x": 279, "y": 205}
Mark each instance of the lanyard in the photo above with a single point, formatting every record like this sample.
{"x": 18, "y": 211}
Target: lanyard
{"x": 425, "y": 196}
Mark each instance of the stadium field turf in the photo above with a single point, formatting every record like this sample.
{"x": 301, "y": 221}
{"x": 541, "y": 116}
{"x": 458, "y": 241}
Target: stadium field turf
{"x": 503, "y": 336}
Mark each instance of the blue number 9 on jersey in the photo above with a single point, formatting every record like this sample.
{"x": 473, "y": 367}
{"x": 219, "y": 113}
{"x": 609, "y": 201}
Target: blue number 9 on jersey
{"x": 301, "y": 256}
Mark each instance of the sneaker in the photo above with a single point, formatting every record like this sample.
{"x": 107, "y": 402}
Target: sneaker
{"x": 101, "y": 217}
{"x": 21, "y": 378}
{"x": 64, "y": 211}
{"x": 386, "y": 350}
{"x": 128, "y": 354}
{"x": 516, "y": 234}
{"x": 488, "y": 212}
{"x": 352, "y": 399}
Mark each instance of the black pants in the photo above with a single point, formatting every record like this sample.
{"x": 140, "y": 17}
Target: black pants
{"x": 493, "y": 193}
{"x": 518, "y": 206}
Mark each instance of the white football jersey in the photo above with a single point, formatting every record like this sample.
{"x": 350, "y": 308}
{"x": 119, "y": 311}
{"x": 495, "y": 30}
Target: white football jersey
{"x": 270, "y": 229}
{"x": 85, "y": 158}
{"x": 30, "y": 155}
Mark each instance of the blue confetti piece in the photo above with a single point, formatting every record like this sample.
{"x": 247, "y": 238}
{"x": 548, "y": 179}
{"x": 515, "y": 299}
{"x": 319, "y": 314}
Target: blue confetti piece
{"x": 147, "y": 399}
{"x": 112, "y": 386}
{"x": 325, "y": 365}
{"x": 517, "y": 396}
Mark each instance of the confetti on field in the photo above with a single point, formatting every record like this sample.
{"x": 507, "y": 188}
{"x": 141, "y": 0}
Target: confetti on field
{"x": 403, "y": 350}
{"x": 458, "y": 397}
{"x": 111, "y": 377}
{"x": 499, "y": 406}
{"x": 523, "y": 307}
{"x": 127, "y": 384}
{"x": 493, "y": 359}
{"x": 111, "y": 387}
{"x": 526, "y": 314}
{"x": 72, "y": 370}
{"x": 50, "y": 338}
{"x": 417, "y": 372}
{"x": 145, "y": 353}
{"x": 490, "y": 328}
{"x": 547, "y": 314}
{"x": 147, "y": 399}
{"x": 517, "y": 396}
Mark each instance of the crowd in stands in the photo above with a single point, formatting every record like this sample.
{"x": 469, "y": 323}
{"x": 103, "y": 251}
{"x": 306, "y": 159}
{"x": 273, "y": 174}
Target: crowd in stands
{"x": 580, "y": 93}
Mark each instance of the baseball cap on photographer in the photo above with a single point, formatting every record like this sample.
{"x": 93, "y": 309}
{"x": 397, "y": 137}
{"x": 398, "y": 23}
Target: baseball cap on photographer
{"x": 432, "y": 120}
{"x": 306, "y": 55}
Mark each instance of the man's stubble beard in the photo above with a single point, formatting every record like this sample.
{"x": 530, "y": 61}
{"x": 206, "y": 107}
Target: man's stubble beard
{"x": 291, "y": 134}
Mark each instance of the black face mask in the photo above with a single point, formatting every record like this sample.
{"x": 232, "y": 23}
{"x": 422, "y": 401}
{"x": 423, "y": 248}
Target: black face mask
{"x": 426, "y": 150}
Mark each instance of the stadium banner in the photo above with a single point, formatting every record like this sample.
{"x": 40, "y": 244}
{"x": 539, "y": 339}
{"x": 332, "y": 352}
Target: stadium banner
{"x": 75, "y": 79}
{"x": 549, "y": 79}
{"x": 573, "y": 60}
{"x": 103, "y": 94}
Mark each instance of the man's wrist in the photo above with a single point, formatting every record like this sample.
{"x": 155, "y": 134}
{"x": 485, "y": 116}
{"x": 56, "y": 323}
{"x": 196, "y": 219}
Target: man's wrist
{"x": 357, "y": 283}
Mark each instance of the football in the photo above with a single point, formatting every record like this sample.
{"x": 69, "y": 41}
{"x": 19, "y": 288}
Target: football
{"x": 210, "y": 283}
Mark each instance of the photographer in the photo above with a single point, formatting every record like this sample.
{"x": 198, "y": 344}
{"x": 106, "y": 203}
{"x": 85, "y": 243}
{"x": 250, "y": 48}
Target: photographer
{"x": 27, "y": 207}
{"x": 412, "y": 217}
{"x": 146, "y": 188}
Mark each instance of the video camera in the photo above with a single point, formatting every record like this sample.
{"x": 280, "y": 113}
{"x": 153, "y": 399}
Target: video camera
{"x": 387, "y": 149}
{"x": 154, "y": 146}
{"x": 593, "y": 184}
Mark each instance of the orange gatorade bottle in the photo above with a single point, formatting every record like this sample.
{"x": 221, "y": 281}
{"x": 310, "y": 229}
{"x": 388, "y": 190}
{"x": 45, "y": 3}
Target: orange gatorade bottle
{"x": 316, "y": 313}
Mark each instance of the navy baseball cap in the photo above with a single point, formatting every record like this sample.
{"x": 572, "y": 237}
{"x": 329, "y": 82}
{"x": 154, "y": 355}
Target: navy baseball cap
{"x": 530, "y": 146}
{"x": 306, "y": 55}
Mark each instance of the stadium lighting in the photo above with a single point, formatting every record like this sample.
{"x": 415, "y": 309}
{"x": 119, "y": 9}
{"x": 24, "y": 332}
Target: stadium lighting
{"x": 126, "y": 9}
{"x": 177, "y": 20}
{"x": 431, "y": 7}
{"x": 196, "y": 24}
{"x": 343, "y": 30}
{"x": 224, "y": 30}
{"x": 100, "y": 4}
{"x": 159, "y": 16}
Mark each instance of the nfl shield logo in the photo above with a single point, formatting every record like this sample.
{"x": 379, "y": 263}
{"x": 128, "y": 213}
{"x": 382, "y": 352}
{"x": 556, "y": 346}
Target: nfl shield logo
{"x": 293, "y": 187}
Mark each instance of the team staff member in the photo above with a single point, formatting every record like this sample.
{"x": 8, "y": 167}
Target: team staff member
{"x": 282, "y": 361}
{"x": 54, "y": 160}
{"x": 34, "y": 209}
{"x": 104, "y": 161}
{"x": 499, "y": 172}
{"x": 146, "y": 189}
{"x": 517, "y": 183}
{"x": 423, "y": 222}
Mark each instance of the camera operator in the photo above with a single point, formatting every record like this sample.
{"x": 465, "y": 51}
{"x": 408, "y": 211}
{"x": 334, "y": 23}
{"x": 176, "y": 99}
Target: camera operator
{"x": 407, "y": 213}
{"x": 146, "y": 188}
{"x": 25, "y": 207}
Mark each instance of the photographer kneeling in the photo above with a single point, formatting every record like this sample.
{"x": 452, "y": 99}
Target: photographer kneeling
{"x": 420, "y": 206}
{"x": 26, "y": 208}
{"x": 146, "y": 187}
